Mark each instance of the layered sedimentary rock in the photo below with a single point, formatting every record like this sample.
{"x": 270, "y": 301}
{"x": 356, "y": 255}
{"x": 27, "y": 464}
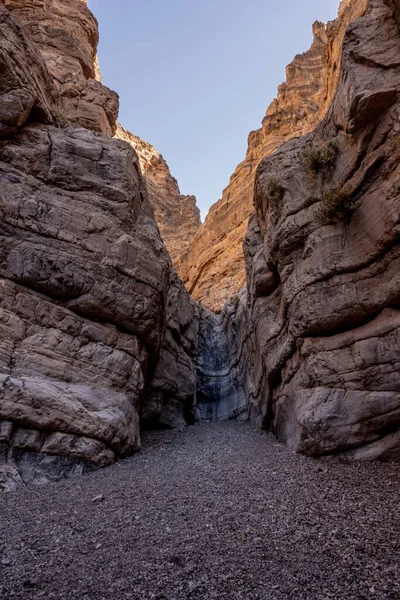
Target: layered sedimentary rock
{"x": 177, "y": 216}
{"x": 221, "y": 390}
{"x": 97, "y": 331}
{"x": 323, "y": 263}
{"x": 26, "y": 89}
{"x": 66, "y": 34}
{"x": 213, "y": 267}
{"x": 96, "y": 328}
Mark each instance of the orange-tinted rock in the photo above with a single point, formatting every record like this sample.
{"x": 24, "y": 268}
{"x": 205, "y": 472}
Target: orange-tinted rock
{"x": 177, "y": 216}
{"x": 213, "y": 266}
{"x": 26, "y": 88}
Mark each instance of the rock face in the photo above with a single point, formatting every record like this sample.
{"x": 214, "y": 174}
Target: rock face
{"x": 97, "y": 331}
{"x": 323, "y": 263}
{"x": 26, "y": 90}
{"x": 96, "y": 328}
{"x": 177, "y": 216}
{"x": 221, "y": 373}
{"x": 65, "y": 32}
{"x": 213, "y": 267}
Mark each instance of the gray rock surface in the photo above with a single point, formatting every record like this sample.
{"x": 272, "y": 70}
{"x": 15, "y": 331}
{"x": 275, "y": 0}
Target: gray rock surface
{"x": 221, "y": 380}
{"x": 324, "y": 293}
{"x": 90, "y": 306}
{"x": 86, "y": 288}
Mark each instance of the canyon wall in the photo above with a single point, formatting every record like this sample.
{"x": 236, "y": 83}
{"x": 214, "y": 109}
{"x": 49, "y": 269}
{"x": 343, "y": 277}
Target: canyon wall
{"x": 66, "y": 34}
{"x": 323, "y": 263}
{"x": 177, "y": 216}
{"x": 97, "y": 330}
{"x": 221, "y": 389}
{"x": 213, "y": 266}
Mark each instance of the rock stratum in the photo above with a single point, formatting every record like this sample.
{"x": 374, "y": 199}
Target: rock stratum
{"x": 66, "y": 35}
{"x": 213, "y": 267}
{"x": 98, "y": 333}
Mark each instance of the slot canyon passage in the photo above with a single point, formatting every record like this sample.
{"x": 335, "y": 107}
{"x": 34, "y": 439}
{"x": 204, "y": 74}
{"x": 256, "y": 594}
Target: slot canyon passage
{"x": 254, "y": 359}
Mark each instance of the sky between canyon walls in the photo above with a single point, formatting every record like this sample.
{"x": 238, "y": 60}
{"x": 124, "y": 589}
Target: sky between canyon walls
{"x": 196, "y": 76}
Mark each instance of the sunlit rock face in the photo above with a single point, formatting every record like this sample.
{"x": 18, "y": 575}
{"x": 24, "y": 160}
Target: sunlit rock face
{"x": 323, "y": 334}
{"x": 221, "y": 382}
{"x": 26, "y": 88}
{"x": 213, "y": 267}
{"x": 177, "y": 216}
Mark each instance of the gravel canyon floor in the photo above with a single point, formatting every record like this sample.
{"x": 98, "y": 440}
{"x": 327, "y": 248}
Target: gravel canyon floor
{"x": 217, "y": 511}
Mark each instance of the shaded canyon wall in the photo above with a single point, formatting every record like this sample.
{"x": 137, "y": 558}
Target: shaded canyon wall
{"x": 97, "y": 331}
{"x": 322, "y": 257}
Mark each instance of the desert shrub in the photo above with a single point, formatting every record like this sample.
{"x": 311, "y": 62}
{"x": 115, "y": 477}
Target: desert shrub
{"x": 59, "y": 117}
{"x": 394, "y": 149}
{"x": 319, "y": 159}
{"x": 234, "y": 300}
{"x": 275, "y": 190}
{"x": 275, "y": 193}
{"x": 338, "y": 204}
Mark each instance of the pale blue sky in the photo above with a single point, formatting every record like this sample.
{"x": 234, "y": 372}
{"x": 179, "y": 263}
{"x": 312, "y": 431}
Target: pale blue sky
{"x": 196, "y": 76}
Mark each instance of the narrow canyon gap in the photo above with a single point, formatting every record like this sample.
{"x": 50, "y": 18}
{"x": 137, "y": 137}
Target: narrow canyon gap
{"x": 99, "y": 332}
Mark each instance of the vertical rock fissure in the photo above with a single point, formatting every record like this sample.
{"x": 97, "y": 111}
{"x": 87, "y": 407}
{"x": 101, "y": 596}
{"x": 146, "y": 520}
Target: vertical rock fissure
{"x": 221, "y": 391}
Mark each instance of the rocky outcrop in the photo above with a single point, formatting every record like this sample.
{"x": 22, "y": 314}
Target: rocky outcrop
{"x": 323, "y": 263}
{"x": 170, "y": 400}
{"x": 66, "y": 34}
{"x": 177, "y": 216}
{"x": 213, "y": 267}
{"x": 94, "y": 322}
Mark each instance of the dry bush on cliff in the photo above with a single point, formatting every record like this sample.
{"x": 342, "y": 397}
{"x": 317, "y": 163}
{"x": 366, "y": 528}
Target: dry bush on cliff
{"x": 338, "y": 204}
{"x": 317, "y": 160}
{"x": 275, "y": 190}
